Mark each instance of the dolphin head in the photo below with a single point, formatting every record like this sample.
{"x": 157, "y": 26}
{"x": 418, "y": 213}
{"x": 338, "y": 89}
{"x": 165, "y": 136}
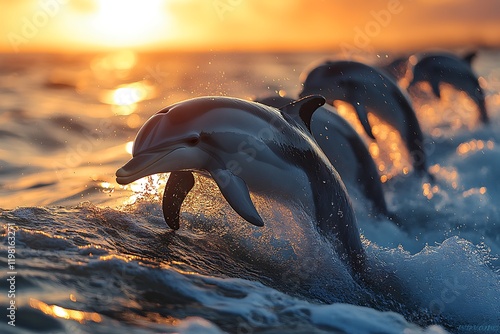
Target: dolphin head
{"x": 206, "y": 134}
{"x": 326, "y": 80}
{"x": 168, "y": 141}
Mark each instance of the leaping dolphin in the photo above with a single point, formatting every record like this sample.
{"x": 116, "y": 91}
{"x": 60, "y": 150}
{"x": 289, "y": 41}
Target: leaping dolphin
{"x": 246, "y": 147}
{"x": 447, "y": 68}
{"x": 397, "y": 68}
{"x": 368, "y": 89}
{"x": 345, "y": 149}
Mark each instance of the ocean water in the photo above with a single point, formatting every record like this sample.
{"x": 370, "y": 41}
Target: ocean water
{"x": 95, "y": 257}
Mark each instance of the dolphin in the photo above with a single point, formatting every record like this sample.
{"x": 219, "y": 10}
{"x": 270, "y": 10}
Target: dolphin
{"x": 368, "y": 89}
{"x": 345, "y": 149}
{"x": 447, "y": 68}
{"x": 246, "y": 147}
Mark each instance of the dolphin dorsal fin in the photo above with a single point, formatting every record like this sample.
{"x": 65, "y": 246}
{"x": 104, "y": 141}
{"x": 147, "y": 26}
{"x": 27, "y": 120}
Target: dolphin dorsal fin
{"x": 303, "y": 109}
{"x": 469, "y": 57}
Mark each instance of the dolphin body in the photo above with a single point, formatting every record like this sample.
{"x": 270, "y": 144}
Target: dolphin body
{"x": 397, "y": 68}
{"x": 246, "y": 146}
{"x": 447, "y": 68}
{"x": 346, "y": 151}
{"x": 368, "y": 89}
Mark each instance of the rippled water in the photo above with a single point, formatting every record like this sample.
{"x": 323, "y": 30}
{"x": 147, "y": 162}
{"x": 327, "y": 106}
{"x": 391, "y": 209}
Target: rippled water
{"x": 95, "y": 257}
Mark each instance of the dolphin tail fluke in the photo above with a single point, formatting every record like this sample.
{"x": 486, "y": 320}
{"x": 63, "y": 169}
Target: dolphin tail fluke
{"x": 235, "y": 191}
{"x": 178, "y": 186}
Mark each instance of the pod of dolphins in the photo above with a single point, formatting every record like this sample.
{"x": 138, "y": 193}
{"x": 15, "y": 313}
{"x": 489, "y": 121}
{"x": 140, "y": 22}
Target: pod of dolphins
{"x": 299, "y": 149}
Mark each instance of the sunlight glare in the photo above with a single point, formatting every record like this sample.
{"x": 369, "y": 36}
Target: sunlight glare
{"x": 146, "y": 188}
{"x": 128, "y": 147}
{"x": 64, "y": 313}
{"x": 131, "y": 22}
{"x": 121, "y": 62}
{"x": 125, "y": 97}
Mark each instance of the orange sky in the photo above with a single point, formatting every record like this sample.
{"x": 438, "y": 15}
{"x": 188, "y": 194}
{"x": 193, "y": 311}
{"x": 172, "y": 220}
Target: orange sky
{"x": 88, "y": 25}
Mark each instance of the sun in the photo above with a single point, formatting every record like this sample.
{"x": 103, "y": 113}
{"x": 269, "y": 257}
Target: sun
{"x": 131, "y": 22}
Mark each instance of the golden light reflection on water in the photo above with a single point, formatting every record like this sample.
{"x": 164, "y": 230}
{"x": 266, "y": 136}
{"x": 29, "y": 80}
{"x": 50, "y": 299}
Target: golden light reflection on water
{"x": 473, "y": 146}
{"x": 119, "y": 63}
{"x": 446, "y": 174}
{"x": 450, "y": 176}
{"x": 158, "y": 318}
{"x": 389, "y": 152}
{"x": 125, "y": 97}
{"x": 474, "y": 191}
{"x": 482, "y": 82}
{"x": 374, "y": 150}
{"x": 126, "y": 258}
{"x": 131, "y": 93}
{"x": 455, "y": 110}
{"x": 147, "y": 187}
{"x": 134, "y": 121}
{"x": 64, "y": 313}
{"x": 107, "y": 187}
{"x": 428, "y": 190}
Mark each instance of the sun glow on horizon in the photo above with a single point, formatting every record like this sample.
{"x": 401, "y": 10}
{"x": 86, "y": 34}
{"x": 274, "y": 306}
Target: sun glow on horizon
{"x": 131, "y": 22}
{"x": 98, "y": 25}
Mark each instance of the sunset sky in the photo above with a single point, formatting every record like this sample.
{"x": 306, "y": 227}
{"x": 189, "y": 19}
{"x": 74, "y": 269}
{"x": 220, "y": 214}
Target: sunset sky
{"x": 91, "y": 25}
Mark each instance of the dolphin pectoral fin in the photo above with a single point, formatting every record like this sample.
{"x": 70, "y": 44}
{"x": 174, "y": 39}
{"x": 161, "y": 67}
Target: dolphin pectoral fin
{"x": 236, "y": 193}
{"x": 178, "y": 186}
{"x": 303, "y": 109}
{"x": 435, "y": 88}
{"x": 363, "y": 118}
